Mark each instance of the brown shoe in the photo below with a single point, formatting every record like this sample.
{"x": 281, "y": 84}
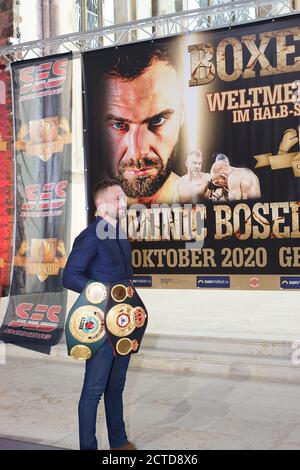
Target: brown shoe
{"x": 128, "y": 446}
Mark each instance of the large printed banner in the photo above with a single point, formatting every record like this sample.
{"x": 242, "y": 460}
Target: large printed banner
{"x": 42, "y": 111}
{"x": 202, "y": 131}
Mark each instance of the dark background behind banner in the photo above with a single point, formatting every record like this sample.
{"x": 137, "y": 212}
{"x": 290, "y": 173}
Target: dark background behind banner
{"x": 240, "y": 141}
{"x": 36, "y": 312}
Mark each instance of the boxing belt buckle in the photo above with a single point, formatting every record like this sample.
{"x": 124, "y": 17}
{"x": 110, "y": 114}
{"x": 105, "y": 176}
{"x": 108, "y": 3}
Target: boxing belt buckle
{"x": 113, "y": 310}
{"x": 126, "y": 318}
{"x": 85, "y": 325}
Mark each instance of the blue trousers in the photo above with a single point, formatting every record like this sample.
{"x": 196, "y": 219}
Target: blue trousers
{"x": 105, "y": 374}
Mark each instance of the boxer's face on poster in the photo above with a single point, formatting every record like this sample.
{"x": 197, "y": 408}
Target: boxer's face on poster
{"x": 142, "y": 122}
{"x": 219, "y": 174}
{"x": 194, "y": 165}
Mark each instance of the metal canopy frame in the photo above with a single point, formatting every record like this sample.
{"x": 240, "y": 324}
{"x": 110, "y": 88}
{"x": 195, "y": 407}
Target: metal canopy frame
{"x": 210, "y": 17}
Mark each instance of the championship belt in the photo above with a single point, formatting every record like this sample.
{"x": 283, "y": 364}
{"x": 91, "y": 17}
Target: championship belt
{"x": 113, "y": 310}
{"x": 126, "y": 318}
{"x": 85, "y": 330}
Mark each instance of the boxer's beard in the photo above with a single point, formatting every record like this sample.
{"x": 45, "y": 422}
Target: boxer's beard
{"x": 145, "y": 186}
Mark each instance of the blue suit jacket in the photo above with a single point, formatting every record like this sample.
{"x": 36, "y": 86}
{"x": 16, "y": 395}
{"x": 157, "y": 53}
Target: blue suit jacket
{"x": 93, "y": 258}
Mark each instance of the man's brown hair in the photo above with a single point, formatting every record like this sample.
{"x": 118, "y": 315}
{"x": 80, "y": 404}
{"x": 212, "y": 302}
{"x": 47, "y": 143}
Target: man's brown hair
{"x": 103, "y": 184}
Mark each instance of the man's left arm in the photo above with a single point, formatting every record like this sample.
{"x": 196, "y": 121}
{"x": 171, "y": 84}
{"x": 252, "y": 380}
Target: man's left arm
{"x": 83, "y": 252}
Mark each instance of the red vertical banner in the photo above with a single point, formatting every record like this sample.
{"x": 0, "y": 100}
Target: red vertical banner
{"x": 42, "y": 122}
{"x": 6, "y": 180}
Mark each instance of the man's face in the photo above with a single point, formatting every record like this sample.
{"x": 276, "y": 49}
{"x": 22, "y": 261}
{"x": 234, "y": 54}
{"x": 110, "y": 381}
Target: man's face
{"x": 112, "y": 201}
{"x": 142, "y": 121}
{"x": 194, "y": 165}
{"x": 219, "y": 174}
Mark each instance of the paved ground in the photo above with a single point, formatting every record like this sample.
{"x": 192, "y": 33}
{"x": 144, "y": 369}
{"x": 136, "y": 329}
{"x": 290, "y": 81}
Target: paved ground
{"x": 11, "y": 444}
{"x": 163, "y": 410}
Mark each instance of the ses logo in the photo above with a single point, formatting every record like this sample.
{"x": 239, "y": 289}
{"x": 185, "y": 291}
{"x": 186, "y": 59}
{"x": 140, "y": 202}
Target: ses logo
{"x": 44, "y": 200}
{"x": 43, "y": 79}
{"x": 42, "y": 318}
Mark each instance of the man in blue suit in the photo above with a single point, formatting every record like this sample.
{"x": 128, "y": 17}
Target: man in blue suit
{"x": 101, "y": 253}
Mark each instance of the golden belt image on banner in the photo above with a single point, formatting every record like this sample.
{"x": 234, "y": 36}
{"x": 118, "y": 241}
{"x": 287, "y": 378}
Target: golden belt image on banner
{"x": 44, "y": 137}
{"x": 42, "y": 257}
{"x": 284, "y": 158}
{"x": 99, "y": 310}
